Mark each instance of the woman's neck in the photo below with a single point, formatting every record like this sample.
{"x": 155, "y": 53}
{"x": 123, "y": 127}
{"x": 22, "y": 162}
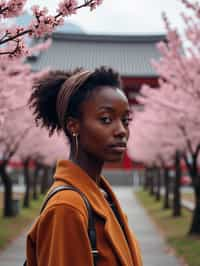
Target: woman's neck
{"x": 90, "y": 165}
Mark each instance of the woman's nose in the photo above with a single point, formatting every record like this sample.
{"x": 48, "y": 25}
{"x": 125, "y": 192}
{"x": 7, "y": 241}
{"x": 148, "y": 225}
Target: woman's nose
{"x": 120, "y": 129}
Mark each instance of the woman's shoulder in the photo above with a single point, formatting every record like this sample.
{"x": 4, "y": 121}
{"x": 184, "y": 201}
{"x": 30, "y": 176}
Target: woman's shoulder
{"x": 63, "y": 204}
{"x": 67, "y": 199}
{"x": 64, "y": 208}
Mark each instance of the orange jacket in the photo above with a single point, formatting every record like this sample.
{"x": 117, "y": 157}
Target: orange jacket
{"x": 59, "y": 236}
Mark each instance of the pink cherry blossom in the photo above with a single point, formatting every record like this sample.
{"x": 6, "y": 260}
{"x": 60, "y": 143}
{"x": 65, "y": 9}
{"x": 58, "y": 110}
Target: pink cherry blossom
{"x": 67, "y": 7}
{"x": 11, "y": 8}
{"x": 93, "y": 5}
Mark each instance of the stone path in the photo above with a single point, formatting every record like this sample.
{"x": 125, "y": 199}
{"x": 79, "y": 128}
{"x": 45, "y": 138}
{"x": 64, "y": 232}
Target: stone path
{"x": 154, "y": 250}
{"x": 14, "y": 255}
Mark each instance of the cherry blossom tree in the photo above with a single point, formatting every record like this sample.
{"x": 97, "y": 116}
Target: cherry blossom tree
{"x": 182, "y": 72}
{"x": 178, "y": 98}
{"x": 14, "y": 131}
{"x": 15, "y": 88}
{"x": 154, "y": 140}
{"x": 12, "y": 97}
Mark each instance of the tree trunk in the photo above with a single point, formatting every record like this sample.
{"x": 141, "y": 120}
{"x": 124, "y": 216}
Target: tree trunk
{"x": 44, "y": 180}
{"x": 35, "y": 181}
{"x": 166, "y": 191}
{"x": 7, "y": 182}
{"x": 145, "y": 180}
{"x": 193, "y": 170}
{"x": 152, "y": 187}
{"x": 195, "y": 226}
{"x": 176, "y": 188}
{"x": 26, "y": 201}
{"x": 158, "y": 184}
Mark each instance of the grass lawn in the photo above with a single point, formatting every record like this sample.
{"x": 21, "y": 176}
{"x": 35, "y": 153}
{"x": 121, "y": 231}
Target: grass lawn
{"x": 174, "y": 229}
{"x": 11, "y": 227}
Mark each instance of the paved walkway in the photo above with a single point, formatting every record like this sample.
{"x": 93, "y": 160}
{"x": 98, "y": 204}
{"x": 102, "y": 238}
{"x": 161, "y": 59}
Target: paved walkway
{"x": 154, "y": 250}
{"x": 14, "y": 255}
{"x": 153, "y": 247}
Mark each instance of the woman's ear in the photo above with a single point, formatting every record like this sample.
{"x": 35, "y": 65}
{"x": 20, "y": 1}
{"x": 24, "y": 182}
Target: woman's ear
{"x": 72, "y": 125}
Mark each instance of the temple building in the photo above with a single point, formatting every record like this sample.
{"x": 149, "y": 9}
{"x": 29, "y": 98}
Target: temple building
{"x": 130, "y": 55}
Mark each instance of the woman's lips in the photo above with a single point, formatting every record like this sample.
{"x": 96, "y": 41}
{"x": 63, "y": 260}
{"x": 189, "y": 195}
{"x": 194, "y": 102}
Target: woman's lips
{"x": 118, "y": 149}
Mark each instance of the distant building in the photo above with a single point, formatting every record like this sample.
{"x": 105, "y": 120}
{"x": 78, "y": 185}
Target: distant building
{"x": 130, "y": 55}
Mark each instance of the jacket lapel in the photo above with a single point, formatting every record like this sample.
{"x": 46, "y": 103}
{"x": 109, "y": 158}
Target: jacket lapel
{"x": 75, "y": 176}
{"x": 116, "y": 237}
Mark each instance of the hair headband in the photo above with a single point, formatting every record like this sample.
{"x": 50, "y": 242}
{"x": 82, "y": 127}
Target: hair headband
{"x": 69, "y": 87}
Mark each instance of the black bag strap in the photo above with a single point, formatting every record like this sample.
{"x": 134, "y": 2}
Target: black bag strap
{"x": 91, "y": 222}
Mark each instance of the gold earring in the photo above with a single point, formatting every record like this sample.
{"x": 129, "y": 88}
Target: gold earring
{"x": 75, "y": 135}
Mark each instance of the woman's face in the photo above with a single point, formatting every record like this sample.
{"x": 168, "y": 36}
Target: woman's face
{"x": 103, "y": 126}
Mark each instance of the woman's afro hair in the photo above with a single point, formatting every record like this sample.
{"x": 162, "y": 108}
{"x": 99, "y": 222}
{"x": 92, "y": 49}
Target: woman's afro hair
{"x": 45, "y": 90}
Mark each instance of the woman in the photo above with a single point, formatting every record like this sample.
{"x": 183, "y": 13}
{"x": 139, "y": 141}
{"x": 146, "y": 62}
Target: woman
{"x": 93, "y": 112}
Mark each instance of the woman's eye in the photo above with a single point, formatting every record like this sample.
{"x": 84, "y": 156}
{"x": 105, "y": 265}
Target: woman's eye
{"x": 126, "y": 120}
{"x": 106, "y": 120}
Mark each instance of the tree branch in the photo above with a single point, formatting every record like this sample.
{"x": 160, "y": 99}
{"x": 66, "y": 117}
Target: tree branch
{"x": 15, "y": 36}
{"x": 6, "y": 34}
{"x": 3, "y": 10}
{"x": 11, "y": 52}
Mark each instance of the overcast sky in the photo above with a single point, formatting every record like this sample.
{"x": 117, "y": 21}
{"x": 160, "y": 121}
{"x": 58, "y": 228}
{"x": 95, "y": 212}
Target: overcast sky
{"x": 125, "y": 16}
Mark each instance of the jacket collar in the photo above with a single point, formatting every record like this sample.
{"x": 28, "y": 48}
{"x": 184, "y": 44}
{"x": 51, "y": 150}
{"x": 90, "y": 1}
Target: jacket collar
{"x": 77, "y": 177}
